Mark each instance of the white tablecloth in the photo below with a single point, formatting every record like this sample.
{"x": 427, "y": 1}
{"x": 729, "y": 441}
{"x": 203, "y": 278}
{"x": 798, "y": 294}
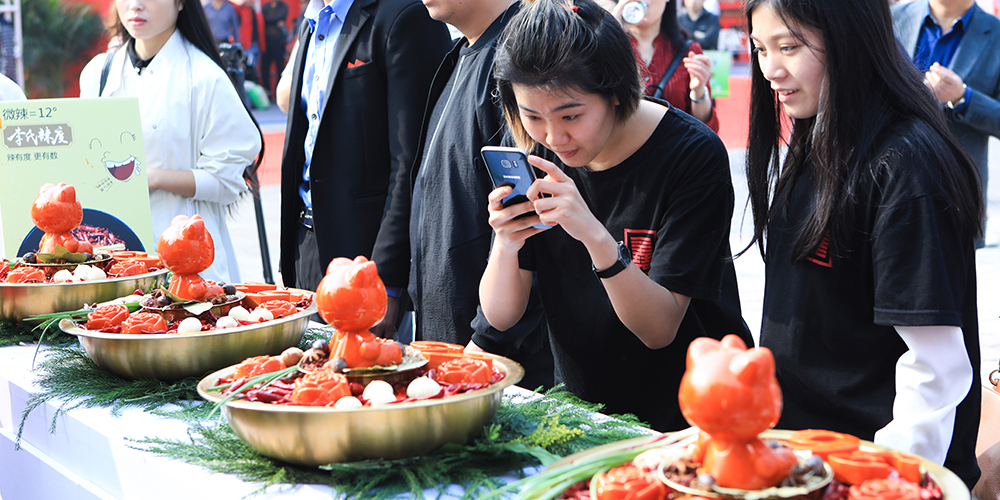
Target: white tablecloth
{"x": 88, "y": 457}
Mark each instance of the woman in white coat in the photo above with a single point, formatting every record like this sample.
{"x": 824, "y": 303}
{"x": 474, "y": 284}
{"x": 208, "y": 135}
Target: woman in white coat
{"x": 199, "y": 137}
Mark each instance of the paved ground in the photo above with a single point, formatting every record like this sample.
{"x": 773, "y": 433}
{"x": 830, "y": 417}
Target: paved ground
{"x": 749, "y": 267}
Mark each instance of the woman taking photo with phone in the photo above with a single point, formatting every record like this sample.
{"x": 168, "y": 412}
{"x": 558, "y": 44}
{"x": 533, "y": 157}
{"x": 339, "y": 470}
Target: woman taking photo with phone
{"x": 867, "y": 229}
{"x": 638, "y": 197}
{"x": 198, "y": 135}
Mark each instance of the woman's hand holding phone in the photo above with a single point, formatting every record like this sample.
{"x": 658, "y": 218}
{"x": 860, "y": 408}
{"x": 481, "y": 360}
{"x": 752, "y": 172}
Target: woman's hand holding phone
{"x": 513, "y": 224}
{"x": 558, "y": 202}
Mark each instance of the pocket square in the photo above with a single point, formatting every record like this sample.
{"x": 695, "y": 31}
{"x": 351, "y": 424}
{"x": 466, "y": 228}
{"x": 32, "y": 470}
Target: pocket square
{"x": 356, "y": 63}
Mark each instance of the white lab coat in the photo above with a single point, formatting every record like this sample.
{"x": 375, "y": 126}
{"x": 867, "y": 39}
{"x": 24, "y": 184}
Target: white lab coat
{"x": 192, "y": 119}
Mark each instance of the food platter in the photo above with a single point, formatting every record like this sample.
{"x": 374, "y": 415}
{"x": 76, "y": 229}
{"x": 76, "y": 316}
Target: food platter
{"x": 26, "y": 300}
{"x": 170, "y": 357}
{"x": 313, "y": 436}
{"x": 951, "y": 486}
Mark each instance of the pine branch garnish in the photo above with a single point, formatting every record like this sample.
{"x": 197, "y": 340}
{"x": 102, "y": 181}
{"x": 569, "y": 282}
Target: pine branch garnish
{"x": 68, "y": 375}
{"x": 523, "y": 432}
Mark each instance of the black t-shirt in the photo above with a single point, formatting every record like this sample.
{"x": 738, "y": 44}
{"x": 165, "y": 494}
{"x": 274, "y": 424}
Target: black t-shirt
{"x": 671, "y": 202}
{"x": 829, "y": 321}
{"x": 449, "y": 224}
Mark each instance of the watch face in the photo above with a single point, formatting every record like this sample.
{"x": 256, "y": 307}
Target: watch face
{"x": 624, "y": 254}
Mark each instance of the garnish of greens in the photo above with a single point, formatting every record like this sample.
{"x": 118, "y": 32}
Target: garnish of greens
{"x": 52, "y": 319}
{"x": 551, "y": 482}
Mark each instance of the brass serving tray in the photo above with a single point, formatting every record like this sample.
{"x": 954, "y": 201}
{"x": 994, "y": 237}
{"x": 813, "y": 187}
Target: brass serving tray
{"x": 170, "y": 357}
{"x": 313, "y": 436}
{"x": 952, "y": 487}
{"x": 26, "y": 300}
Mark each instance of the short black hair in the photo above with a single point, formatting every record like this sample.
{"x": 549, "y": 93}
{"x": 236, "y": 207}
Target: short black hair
{"x": 575, "y": 44}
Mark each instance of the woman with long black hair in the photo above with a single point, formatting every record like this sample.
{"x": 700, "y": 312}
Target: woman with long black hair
{"x": 866, "y": 226}
{"x": 202, "y": 145}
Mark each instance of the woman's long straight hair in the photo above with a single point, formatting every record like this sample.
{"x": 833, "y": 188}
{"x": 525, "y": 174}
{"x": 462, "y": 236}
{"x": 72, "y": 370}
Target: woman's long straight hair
{"x": 871, "y": 86}
{"x": 193, "y": 25}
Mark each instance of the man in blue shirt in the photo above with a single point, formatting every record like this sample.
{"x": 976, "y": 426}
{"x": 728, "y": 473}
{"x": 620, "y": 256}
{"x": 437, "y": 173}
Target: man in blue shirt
{"x": 954, "y": 42}
{"x": 359, "y": 84}
{"x": 223, "y": 20}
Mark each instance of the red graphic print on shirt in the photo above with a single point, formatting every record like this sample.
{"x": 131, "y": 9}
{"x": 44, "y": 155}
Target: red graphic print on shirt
{"x": 641, "y": 242}
{"x": 822, "y": 254}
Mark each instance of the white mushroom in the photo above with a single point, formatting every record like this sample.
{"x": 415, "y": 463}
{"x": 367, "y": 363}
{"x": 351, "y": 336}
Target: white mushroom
{"x": 382, "y": 398}
{"x": 82, "y": 272}
{"x": 226, "y": 322}
{"x": 260, "y": 314}
{"x": 95, "y": 274}
{"x": 422, "y": 387}
{"x": 348, "y": 402}
{"x": 239, "y": 313}
{"x": 62, "y": 276}
{"x": 377, "y": 387}
{"x": 189, "y": 325}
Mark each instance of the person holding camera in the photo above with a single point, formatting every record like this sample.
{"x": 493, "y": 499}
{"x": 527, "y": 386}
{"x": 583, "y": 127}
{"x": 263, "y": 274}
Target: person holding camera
{"x": 673, "y": 68}
{"x": 638, "y": 198}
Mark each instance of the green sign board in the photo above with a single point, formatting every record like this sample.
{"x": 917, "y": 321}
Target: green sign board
{"x": 94, "y": 145}
{"x": 721, "y": 61}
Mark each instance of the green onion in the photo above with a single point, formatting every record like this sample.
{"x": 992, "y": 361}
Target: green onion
{"x": 550, "y": 483}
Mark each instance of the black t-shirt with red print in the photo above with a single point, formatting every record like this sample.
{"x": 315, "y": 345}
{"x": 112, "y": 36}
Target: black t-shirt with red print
{"x": 672, "y": 203}
{"x": 829, "y": 321}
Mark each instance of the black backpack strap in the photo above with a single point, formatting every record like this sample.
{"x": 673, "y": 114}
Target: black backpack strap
{"x": 105, "y": 71}
{"x": 676, "y": 61}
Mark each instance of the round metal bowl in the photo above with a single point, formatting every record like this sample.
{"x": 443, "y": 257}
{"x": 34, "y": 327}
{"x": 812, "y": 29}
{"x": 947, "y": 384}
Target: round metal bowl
{"x": 951, "y": 486}
{"x": 170, "y": 357}
{"x": 25, "y": 300}
{"x": 313, "y": 436}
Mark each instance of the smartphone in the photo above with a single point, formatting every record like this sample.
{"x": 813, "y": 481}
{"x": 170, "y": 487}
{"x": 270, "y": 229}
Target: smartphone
{"x": 510, "y": 167}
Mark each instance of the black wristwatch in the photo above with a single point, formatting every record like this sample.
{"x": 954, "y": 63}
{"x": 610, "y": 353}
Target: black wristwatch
{"x": 624, "y": 259}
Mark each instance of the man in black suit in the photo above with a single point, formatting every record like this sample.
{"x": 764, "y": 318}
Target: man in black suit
{"x": 359, "y": 83}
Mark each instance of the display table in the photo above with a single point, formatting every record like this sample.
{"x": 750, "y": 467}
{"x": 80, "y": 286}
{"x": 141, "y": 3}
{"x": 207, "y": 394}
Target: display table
{"x": 88, "y": 456}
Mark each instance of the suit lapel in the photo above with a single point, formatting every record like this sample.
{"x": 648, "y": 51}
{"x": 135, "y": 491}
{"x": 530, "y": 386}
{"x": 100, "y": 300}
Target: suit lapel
{"x": 357, "y": 15}
{"x": 974, "y": 43}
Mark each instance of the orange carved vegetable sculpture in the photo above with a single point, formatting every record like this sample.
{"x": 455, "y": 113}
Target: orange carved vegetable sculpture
{"x": 823, "y": 442}
{"x": 128, "y": 267}
{"x": 25, "y": 274}
{"x": 730, "y": 392}
{"x": 258, "y": 365}
{"x": 858, "y": 466}
{"x": 352, "y": 299}
{"x": 628, "y": 483}
{"x": 320, "y": 388}
{"x": 885, "y": 489}
{"x": 464, "y": 371}
{"x": 56, "y": 211}
{"x": 279, "y": 308}
{"x": 106, "y": 316}
{"x": 144, "y": 322}
{"x": 186, "y": 248}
